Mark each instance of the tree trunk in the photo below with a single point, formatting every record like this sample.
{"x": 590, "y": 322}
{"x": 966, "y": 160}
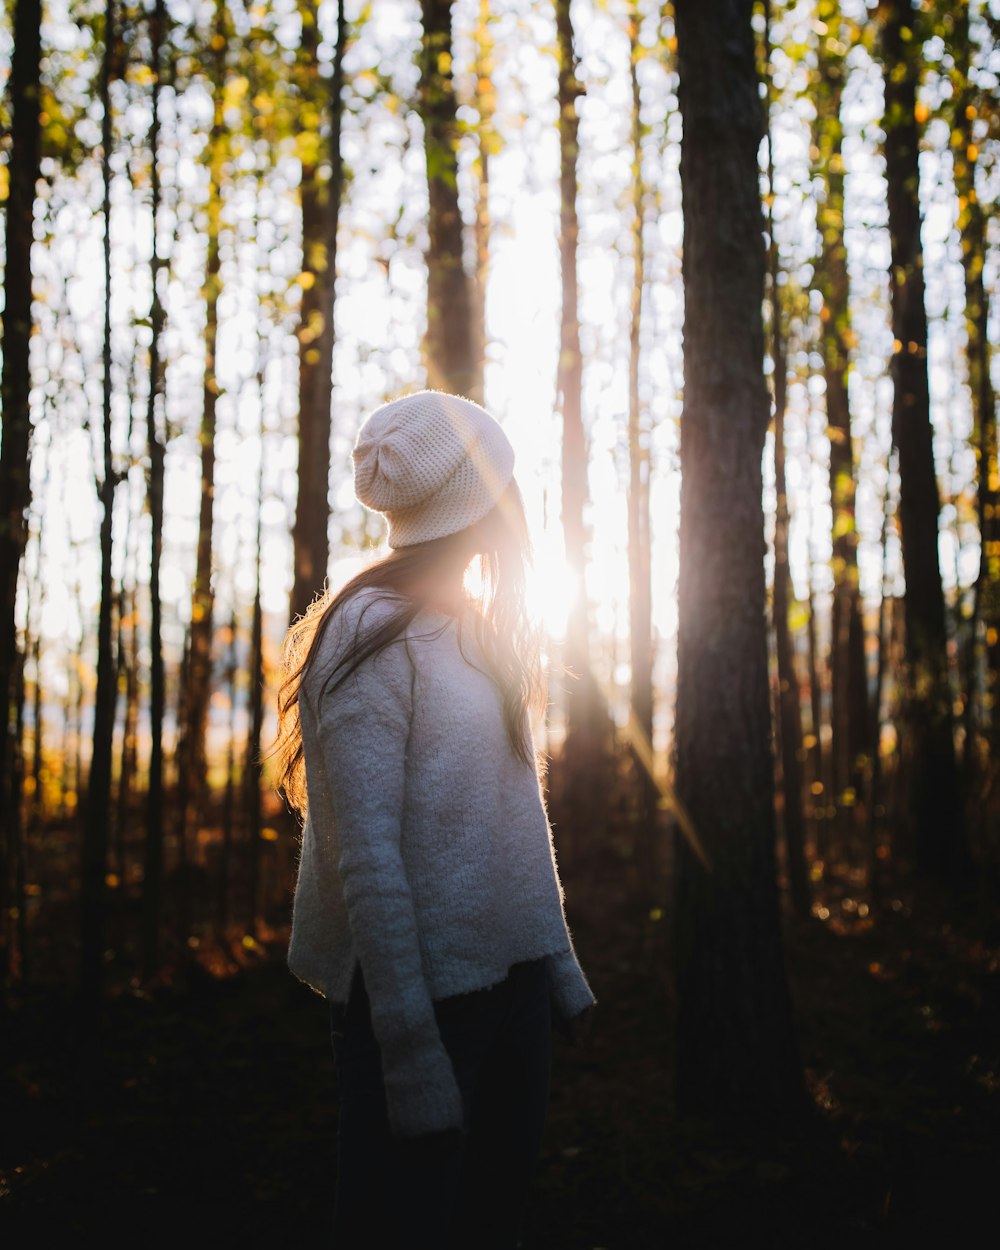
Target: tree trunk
{"x": 97, "y": 813}
{"x": 152, "y": 885}
{"x": 736, "y": 1045}
{"x": 15, "y": 381}
{"x": 849, "y": 716}
{"x": 972, "y": 232}
{"x": 197, "y": 688}
{"x": 934, "y": 808}
{"x": 789, "y": 707}
{"x": 449, "y": 347}
{"x": 485, "y": 105}
{"x": 639, "y": 557}
{"x": 251, "y": 767}
{"x": 321, "y": 195}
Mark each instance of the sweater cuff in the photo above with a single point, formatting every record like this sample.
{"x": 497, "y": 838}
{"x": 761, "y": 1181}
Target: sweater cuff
{"x": 570, "y": 992}
{"x": 421, "y": 1093}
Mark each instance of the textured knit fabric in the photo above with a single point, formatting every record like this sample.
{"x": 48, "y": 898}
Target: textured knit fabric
{"x": 433, "y": 463}
{"x": 426, "y": 853}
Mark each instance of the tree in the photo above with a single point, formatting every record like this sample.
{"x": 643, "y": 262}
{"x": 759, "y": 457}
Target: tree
{"x": 965, "y": 109}
{"x": 789, "y": 705}
{"x": 849, "y": 715}
{"x": 934, "y": 806}
{"x": 321, "y": 190}
{"x": 15, "y": 380}
{"x": 97, "y": 812}
{"x": 450, "y": 344}
{"x": 198, "y": 682}
{"x": 639, "y": 554}
{"x": 736, "y": 1044}
{"x": 152, "y": 882}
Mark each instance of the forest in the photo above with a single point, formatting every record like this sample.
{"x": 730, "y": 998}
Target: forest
{"x": 726, "y": 273}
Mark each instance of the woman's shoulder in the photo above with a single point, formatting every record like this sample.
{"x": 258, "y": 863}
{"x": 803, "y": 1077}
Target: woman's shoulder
{"x": 352, "y": 621}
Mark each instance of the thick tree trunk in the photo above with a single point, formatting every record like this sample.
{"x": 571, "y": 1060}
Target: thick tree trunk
{"x": 15, "y": 384}
{"x": 736, "y": 1045}
{"x": 152, "y": 885}
{"x": 934, "y": 809}
{"x": 321, "y": 195}
{"x": 849, "y": 715}
{"x": 97, "y": 813}
{"x": 450, "y": 348}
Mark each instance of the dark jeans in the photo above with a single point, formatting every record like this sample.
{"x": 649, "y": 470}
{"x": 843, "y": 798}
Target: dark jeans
{"x": 465, "y": 1191}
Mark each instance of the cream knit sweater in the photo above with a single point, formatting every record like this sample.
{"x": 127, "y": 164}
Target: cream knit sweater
{"x": 426, "y": 853}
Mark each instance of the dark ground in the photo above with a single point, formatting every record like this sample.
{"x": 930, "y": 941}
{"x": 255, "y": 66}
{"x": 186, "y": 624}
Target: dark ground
{"x": 206, "y": 1113}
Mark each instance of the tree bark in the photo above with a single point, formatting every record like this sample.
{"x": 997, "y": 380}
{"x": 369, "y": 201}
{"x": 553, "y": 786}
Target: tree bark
{"x": 15, "y": 384}
{"x": 584, "y": 770}
{"x": 449, "y": 346}
{"x": 639, "y": 555}
{"x": 972, "y": 232}
{"x": 934, "y": 809}
{"x": 197, "y": 689}
{"x": 737, "y": 1050}
{"x": 321, "y": 196}
{"x": 152, "y": 884}
{"x": 849, "y": 715}
{"x": 97, "y": 812}
{"x": 789, "y": 705}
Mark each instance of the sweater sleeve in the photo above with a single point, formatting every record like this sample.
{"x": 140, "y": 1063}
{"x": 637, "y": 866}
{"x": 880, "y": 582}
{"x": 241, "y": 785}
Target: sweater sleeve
{"x": 364, "y": 725}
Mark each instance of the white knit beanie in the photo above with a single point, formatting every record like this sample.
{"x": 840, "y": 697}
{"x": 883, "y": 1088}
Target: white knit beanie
{"x": 433, "y": 463}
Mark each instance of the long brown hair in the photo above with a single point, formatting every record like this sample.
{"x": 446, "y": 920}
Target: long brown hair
{"x": 417, "y": 577}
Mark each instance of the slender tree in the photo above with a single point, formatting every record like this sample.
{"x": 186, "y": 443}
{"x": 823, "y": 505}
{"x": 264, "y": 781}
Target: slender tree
{"x": 97, "y": 811}
{"x": 849, "y": 715}
{"x": 639, "y": 555}
{"x": 321, "y": 190}
{"x": 152, "y": 887}
{"x": 934, "y": 808}
{"x": 789, "y": 704}
{"x": 971, "y": 224}
{"x": 450, "y": 346}
{"x": 584, "y": 768}
{"x": 198, "y": 682}
{"x": 488, "y": 145}
{"x": 736, "y": 1044}
{"x": 15, "y": 380}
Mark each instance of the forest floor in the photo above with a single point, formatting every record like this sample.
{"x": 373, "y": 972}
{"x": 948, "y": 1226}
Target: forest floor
{"x": 205, "y": 1110}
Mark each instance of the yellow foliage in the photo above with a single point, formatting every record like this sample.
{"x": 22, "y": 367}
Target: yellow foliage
{"x": 236, "y": 89}
{"x": 921, "y": 112}
{"x": 306, "y": 280}
{"x": 307, "y": 147}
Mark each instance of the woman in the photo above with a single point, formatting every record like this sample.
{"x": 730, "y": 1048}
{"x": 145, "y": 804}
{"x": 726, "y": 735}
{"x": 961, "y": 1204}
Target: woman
{"x": 428, "y": 909}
